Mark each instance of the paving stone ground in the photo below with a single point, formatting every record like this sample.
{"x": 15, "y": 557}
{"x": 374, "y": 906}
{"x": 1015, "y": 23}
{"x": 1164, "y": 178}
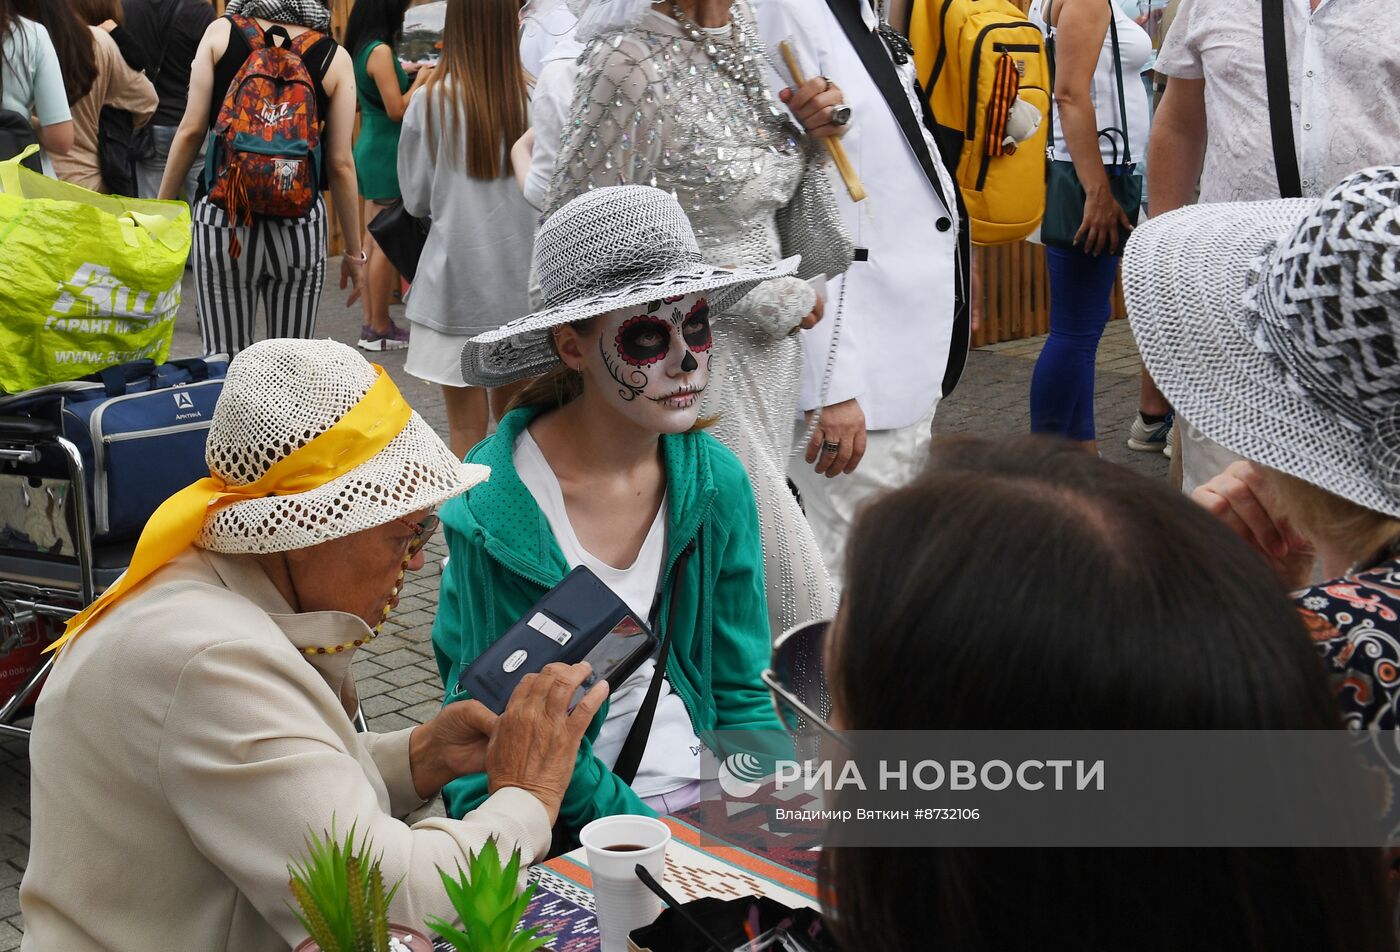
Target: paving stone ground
{"x": 396, "y": 674}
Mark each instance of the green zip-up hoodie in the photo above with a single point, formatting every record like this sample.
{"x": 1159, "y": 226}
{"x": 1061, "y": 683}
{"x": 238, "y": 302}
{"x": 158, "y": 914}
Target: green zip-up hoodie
{"x": 504, "y": 558}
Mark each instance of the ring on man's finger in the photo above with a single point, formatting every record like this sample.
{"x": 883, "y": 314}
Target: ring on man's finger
{"x": 829, "y": 83}
{"x": 840, "y": 114}
{"x": 830, "y": 447}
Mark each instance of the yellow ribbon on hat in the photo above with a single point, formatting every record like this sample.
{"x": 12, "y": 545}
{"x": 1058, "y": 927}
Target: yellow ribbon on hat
{"x": 357, "y": 437}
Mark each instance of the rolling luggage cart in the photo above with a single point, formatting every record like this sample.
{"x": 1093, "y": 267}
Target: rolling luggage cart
{"x": 83, "y": 464}
{"x": 41, "y": 587}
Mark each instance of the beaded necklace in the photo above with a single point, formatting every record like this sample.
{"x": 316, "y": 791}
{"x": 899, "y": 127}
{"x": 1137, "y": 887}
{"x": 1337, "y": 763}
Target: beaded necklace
{"x": 739, "y": 57}
{"x": 374, "y": 632}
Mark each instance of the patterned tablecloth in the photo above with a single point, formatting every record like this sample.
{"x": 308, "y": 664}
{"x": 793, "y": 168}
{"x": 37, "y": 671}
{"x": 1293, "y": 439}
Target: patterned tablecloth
{"x": 702, "y": 860}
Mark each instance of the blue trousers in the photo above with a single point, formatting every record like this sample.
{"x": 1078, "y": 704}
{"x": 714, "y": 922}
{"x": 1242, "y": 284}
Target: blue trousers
{"x": 1062, "y": 387}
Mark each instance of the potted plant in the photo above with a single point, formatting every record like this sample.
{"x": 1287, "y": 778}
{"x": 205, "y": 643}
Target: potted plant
{"x": 344, "y": 905}
{"x": 488, "y": 902}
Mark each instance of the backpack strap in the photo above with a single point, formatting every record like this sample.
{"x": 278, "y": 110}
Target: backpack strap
{"x": 304, "y": 41}
{"x": 250, "y": 30}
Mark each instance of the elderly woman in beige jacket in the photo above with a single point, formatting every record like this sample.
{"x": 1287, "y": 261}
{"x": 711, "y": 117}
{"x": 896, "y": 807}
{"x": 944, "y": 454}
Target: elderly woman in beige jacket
{"x": 198, "y": 720}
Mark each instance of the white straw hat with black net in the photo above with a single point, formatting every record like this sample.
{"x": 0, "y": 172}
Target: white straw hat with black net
{"x": 609, "y": 248}
{"x": 1274, "y": 328}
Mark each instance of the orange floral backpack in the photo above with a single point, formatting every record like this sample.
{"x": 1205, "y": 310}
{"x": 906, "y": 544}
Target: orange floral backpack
{"x": 265, "y": 148}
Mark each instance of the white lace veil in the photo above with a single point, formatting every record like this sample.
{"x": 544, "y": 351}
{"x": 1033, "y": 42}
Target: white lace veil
{"x": 598, "y": 17}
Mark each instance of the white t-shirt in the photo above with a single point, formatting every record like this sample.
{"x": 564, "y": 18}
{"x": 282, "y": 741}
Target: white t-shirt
{"x": 551, "y": 101}
{"x": 540, "y": 31}
{"x": 32, "y": 82}
{"x": 1343, "y": 59}
{"x": 672, "y": 758}
{"x": 1134, "y": 50}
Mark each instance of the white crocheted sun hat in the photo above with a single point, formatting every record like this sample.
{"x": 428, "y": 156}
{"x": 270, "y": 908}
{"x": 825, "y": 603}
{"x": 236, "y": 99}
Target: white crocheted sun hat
{"x": 278, "y": 396}
{"x": 609, "y": 248}
{"x": 1274, "y": 328}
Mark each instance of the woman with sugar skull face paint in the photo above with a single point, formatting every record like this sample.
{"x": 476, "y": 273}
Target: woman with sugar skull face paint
{"x": 602, "y": 462}
{"x": 659, "y": 356}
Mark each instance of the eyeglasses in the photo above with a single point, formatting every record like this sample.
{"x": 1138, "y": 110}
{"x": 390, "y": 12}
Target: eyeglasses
{"x": 796, "y": 677}
{"x": 423, "y": 530}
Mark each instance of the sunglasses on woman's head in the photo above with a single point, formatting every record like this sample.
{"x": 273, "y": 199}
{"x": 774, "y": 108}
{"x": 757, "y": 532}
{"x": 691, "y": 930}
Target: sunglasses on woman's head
{"x": 796, "y": 677}
{"x": 423, "y": 530}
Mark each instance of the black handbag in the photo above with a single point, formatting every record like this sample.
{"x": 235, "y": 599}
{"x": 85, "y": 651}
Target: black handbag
{"x": 17, "y": 134}
{"x": 118, "y": 147}
{"x": 401, "y": 237}
{"x": 1064, "y": 195}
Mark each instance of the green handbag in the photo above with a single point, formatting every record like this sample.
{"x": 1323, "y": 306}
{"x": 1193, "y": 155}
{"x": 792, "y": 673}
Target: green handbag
{"x": 1064, "y": 196}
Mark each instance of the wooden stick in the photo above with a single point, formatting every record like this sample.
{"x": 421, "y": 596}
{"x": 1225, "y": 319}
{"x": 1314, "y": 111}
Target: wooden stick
{"x": 832, "y": 143}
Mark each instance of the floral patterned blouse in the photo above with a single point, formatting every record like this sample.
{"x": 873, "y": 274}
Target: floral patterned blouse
{"x": 1355, "y": 622}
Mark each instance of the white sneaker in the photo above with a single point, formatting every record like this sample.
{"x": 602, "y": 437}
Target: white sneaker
{"x": 1147, "y": 437}
{"x": 395, "y": 338}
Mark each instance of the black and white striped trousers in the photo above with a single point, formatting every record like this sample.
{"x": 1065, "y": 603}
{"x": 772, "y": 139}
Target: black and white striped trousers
{"x": 282, "y": 263}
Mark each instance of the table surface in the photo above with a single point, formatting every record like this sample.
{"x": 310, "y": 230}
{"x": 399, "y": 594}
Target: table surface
{"x": 700, "y": 861}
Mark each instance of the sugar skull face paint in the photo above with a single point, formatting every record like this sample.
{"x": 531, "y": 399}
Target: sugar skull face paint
{"x": 654, "y": 361}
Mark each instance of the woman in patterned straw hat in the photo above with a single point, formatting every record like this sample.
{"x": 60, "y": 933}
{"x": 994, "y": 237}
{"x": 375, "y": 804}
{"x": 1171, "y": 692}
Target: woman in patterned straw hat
{"x": 1275, "y": 327}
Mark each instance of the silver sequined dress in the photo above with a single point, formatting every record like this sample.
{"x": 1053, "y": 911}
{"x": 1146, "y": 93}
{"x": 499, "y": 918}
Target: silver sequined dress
{"x": 652, "y": 108}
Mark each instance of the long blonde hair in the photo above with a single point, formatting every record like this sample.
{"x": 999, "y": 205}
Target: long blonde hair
{"x": 478, "y": 87}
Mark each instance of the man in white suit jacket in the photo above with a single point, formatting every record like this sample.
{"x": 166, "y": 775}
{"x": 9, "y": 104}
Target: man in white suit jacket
{"x": 902, "y": 334}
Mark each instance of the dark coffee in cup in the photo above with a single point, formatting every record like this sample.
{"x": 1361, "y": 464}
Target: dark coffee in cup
{"x": 625, "y": 848}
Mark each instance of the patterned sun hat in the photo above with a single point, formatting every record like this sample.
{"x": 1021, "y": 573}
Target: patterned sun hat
{"x": 281, "y": 393}
{"x": 1274, "y": 327}
{"x": 609, "y": 248}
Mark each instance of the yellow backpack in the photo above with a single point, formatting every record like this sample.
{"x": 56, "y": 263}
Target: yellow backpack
{"x": 975, "y": 59}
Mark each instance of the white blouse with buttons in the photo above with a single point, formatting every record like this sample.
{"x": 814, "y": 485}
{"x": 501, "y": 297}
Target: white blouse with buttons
{"x": 1343, "y": 60}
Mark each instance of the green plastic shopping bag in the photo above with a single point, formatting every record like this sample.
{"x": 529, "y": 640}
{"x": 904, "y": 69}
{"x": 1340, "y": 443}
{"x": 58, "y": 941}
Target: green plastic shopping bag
{"x": 86, "y": 280}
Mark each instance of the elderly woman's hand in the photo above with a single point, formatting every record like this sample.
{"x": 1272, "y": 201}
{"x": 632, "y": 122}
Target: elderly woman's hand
{"x": 812, "y": 103}
{"x": 452, "y": 744}
{"x": 536, "y": 740}
{"x": 1241, "y": 498}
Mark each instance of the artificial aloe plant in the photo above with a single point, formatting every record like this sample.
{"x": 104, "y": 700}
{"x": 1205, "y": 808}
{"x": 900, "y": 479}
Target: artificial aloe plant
{"x": 486, "y": 899}
{"x": 340, "y": 889}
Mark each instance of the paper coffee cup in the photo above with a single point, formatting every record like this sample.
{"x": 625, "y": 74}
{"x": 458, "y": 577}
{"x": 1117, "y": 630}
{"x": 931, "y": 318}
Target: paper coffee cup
{"x": 621, "y": 900}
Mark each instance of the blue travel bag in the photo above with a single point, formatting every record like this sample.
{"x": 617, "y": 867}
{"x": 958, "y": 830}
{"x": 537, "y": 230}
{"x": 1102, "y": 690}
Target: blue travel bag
{"x": 140, "y": 429}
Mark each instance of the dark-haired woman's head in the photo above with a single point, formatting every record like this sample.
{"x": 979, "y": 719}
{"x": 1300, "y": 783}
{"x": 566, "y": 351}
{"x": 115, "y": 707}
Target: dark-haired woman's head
{"x": 8, "y": 12}
{"x": 1026, "y": 584}
{"x": 72, "y": 41}
{"x": 97, "y": 12}
{"x": 373, "y": 21}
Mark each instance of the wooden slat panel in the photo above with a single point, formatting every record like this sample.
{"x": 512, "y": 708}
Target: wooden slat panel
{"x": 1016, "y": 293}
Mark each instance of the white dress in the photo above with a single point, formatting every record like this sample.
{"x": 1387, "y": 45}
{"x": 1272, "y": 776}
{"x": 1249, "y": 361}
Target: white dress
{"x": 652, "y": 108}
